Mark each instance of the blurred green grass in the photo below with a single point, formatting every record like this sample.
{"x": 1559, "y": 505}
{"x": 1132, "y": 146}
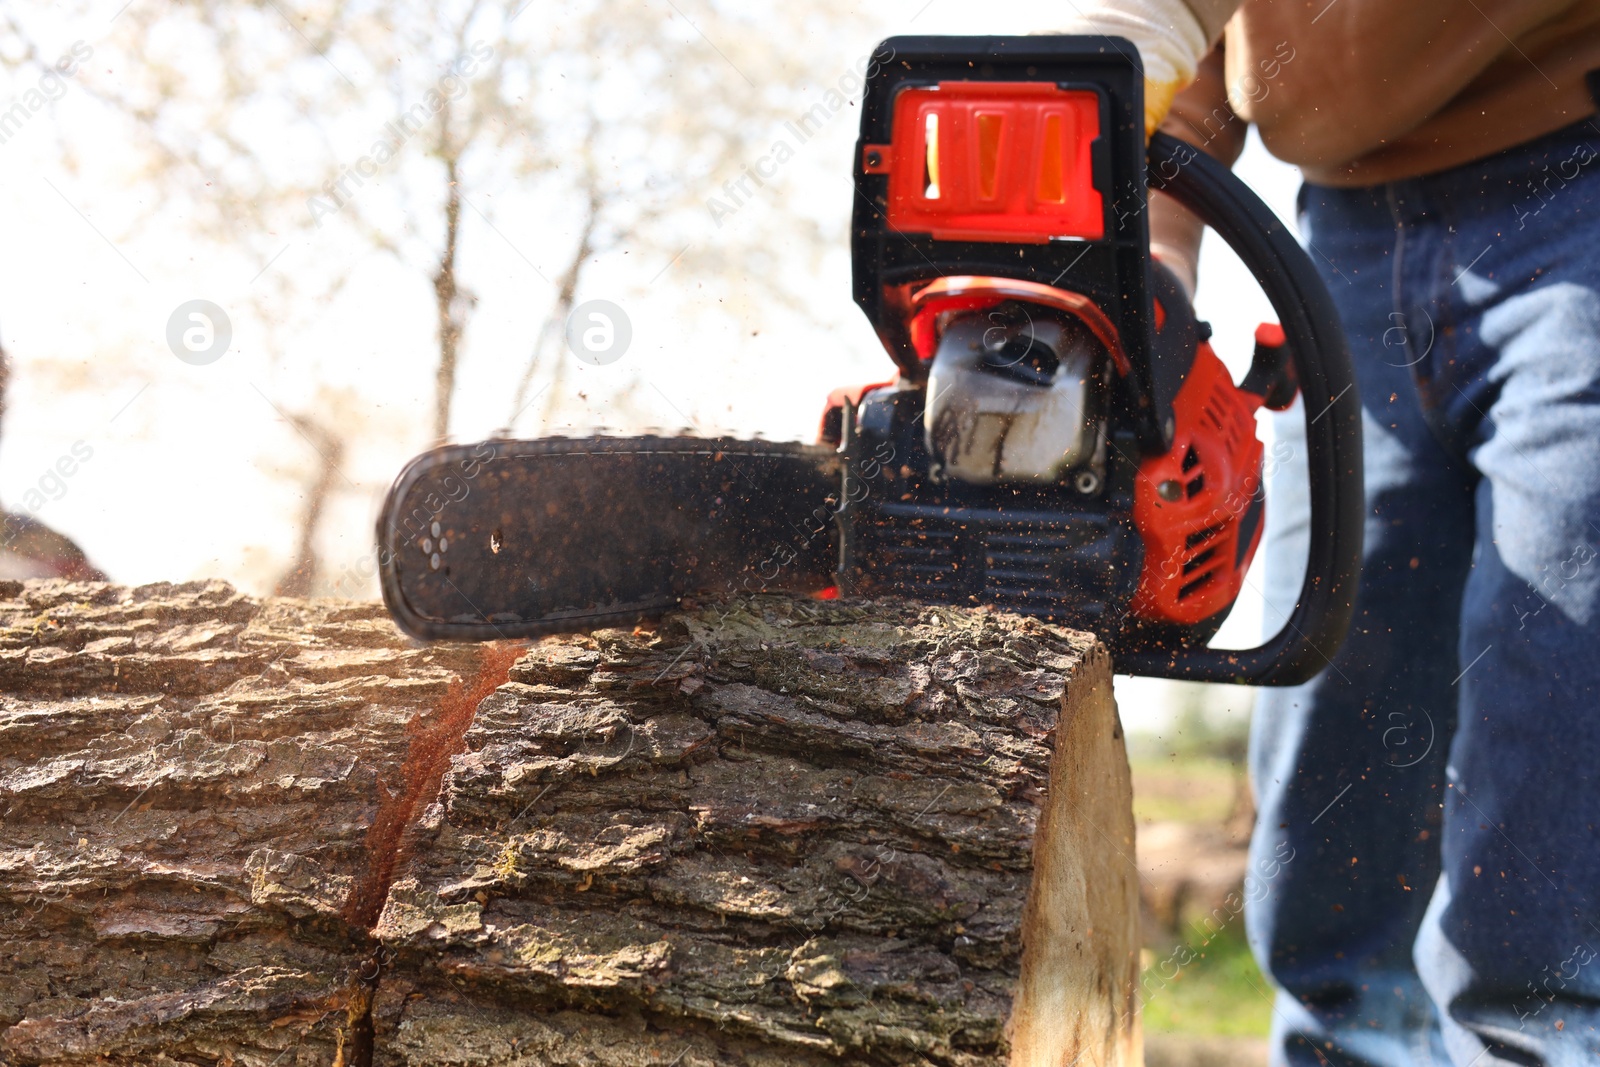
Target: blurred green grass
{"x": 1183, "y": 788}
{"x": 1194, "y": 774}
{"x": 1220, "y": 993}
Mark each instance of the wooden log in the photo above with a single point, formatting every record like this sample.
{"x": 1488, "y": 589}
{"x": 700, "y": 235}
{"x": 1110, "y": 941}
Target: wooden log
{"x": 768, "y": 830}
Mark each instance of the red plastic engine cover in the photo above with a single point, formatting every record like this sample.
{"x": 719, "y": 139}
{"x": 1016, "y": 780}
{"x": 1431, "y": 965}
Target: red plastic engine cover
{"x": 993, "y": 161}
{"x": 1201, "y": 533}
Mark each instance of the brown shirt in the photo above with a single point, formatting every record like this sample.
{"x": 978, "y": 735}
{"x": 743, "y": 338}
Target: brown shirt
{"x": 1357, "y": 92}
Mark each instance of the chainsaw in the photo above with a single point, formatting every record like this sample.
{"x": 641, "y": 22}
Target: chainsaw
{"x": 1059, "y": 438}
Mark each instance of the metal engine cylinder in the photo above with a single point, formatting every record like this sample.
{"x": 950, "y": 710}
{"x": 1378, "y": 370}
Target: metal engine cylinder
{"x": 1016, "y": 394}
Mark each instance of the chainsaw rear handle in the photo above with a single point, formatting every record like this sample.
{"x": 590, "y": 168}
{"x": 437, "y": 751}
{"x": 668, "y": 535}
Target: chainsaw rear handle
{"x": 1321, "y": 616}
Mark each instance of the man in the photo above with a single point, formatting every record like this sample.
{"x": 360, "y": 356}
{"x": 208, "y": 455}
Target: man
{"x": 1437, "y": 782}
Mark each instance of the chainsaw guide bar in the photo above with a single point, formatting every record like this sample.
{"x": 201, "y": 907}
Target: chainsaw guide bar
{"x": 511, "y": 539}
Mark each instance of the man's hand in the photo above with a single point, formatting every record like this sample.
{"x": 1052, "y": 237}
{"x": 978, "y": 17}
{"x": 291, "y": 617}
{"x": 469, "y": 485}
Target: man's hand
{"x": 1171, "y": 35}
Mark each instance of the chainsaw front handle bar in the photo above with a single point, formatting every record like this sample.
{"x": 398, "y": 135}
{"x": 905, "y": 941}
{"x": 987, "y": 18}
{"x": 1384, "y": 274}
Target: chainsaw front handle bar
{"x": 1316, "y": 628}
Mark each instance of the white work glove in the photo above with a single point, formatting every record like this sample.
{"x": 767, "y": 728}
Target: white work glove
{"x": 1170, "y": 38}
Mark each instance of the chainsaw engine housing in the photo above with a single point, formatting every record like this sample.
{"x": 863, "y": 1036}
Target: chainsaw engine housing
{"x": 1067, "y": 443}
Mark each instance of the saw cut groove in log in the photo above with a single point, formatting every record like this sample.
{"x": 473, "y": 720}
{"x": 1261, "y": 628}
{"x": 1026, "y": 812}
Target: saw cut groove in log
{"x": 433, "y": 738}
{"x": 765, "y": 831}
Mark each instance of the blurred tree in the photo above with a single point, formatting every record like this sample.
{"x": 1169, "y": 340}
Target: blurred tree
{"x": 300, "y": 578}
{"x": 272, "y": 117}
{"x": 422, "y": 130}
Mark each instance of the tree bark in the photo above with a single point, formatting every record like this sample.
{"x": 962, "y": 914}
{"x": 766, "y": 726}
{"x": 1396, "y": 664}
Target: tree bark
{"x": 763, "y": 831}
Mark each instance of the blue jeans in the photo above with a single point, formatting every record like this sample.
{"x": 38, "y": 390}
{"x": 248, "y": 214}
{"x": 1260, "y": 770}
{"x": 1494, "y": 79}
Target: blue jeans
{"x": 1435, "y": 788}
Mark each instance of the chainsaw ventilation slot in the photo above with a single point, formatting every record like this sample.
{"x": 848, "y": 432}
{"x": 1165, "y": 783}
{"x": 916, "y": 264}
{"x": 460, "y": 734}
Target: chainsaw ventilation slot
{"x": 1052, "y": 179}
{"x": 1220, "y": 415}
{"x": 1201, "y": 550}
{"x": 1191, "y": 460}
{"x": 930, "y": 162}
{"x": 1199, "y": 583}
{"x": 990, "y": 127}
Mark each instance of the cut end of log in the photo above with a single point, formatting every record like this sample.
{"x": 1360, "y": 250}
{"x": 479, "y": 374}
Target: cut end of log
{"x": 765, "y": 830}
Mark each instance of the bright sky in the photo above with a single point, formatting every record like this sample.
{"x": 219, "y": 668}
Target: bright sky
{"x": 194, "y": 470}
